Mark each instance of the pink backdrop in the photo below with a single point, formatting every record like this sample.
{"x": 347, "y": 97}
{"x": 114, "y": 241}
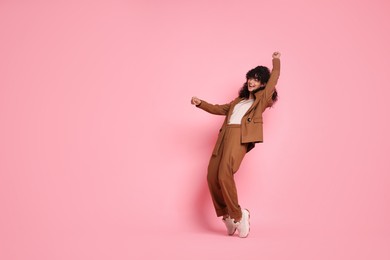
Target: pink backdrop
{"x": 103, "y": 157}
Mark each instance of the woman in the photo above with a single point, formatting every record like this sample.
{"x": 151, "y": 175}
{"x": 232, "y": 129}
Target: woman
{"x": 242, "y": 128}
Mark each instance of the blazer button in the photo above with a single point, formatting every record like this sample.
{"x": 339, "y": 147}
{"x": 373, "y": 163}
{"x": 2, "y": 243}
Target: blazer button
{"x": 249, "y": 119}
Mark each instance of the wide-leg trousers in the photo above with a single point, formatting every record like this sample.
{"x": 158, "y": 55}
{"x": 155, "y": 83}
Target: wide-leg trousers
{"x": 221, "y": 170}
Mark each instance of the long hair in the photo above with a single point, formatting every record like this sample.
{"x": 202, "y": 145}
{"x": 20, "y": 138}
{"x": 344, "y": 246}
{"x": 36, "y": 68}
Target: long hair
{"x": 262, "y": 74}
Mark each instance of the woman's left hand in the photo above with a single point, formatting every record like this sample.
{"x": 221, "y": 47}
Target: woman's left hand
{"x": 276, "y": 55}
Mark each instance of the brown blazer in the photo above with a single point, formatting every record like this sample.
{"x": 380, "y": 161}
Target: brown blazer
{"x": 252, "y": 121}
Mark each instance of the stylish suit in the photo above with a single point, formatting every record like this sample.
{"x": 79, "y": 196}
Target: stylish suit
{"x": 232, "y": 144}
{"x": 252, "y": 121}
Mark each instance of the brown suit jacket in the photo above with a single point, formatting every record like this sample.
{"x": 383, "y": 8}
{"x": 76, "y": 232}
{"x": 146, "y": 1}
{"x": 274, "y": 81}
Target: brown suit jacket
{"x": 252, "y": 121}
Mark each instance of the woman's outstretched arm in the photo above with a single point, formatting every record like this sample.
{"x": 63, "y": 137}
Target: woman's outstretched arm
{"x": 275, "y": 73}
{"x": 213, "y": 109}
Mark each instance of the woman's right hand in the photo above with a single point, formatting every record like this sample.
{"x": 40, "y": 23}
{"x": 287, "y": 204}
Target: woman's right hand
{"x": 195, "y": 101}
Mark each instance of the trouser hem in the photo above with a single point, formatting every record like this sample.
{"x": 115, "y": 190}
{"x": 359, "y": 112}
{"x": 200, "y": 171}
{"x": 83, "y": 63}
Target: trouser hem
{"x": 221, "y": 212}
{"x": 236, "y": 214}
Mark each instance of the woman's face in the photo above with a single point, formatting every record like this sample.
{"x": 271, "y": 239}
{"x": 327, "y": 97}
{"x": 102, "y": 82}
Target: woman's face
{"x": 253, "y": 84}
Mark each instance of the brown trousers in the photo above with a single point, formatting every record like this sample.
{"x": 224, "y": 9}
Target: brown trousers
{"x": 221, "y": 170}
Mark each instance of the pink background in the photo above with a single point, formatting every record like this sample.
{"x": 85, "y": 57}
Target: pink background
{"x": 103, "y": 157}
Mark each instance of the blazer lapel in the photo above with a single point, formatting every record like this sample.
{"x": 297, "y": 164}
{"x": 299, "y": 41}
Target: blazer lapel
{"x": 234, "y": 103}
{"x": 254, "y": 105}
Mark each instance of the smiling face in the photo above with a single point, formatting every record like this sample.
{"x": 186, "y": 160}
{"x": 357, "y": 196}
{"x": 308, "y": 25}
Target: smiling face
{"x": 256, "y": 79}
{"x": 253, "y": 84}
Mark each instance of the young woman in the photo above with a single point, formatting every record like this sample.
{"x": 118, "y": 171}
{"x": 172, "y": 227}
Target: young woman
{"x": 242, "y": 128}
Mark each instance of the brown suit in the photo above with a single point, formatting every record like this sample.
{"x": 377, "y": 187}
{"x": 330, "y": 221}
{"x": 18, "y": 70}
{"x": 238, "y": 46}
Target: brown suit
{"x": 233, "y": 142}
{"x": 252, "y": 121}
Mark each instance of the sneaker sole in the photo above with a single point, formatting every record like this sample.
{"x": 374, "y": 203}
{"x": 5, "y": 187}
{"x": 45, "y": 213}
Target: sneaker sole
{"x": 231, "y": 234}
{"x": 249, "y": 216}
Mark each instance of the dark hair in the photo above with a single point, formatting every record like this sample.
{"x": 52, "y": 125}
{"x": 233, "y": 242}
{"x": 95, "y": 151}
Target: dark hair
{"x": 260, "y": 73}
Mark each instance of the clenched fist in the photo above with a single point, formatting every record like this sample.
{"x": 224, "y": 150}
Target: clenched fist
{"x": 195, "y": 101}
{"x": 276, "y": 55}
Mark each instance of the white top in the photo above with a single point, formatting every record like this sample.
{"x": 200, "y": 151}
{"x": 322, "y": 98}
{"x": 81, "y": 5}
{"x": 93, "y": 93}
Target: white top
{"x": 239, "y": 111}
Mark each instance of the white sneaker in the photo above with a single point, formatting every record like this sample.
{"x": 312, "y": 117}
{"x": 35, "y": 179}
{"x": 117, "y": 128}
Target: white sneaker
{"x": 229, "y": 223}
{"x": 243, "y": 226}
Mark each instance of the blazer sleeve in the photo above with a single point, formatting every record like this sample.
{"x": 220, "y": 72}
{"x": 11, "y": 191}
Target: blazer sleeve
{"x": 215, "y": 109}
{"x": 273, "y": 80}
